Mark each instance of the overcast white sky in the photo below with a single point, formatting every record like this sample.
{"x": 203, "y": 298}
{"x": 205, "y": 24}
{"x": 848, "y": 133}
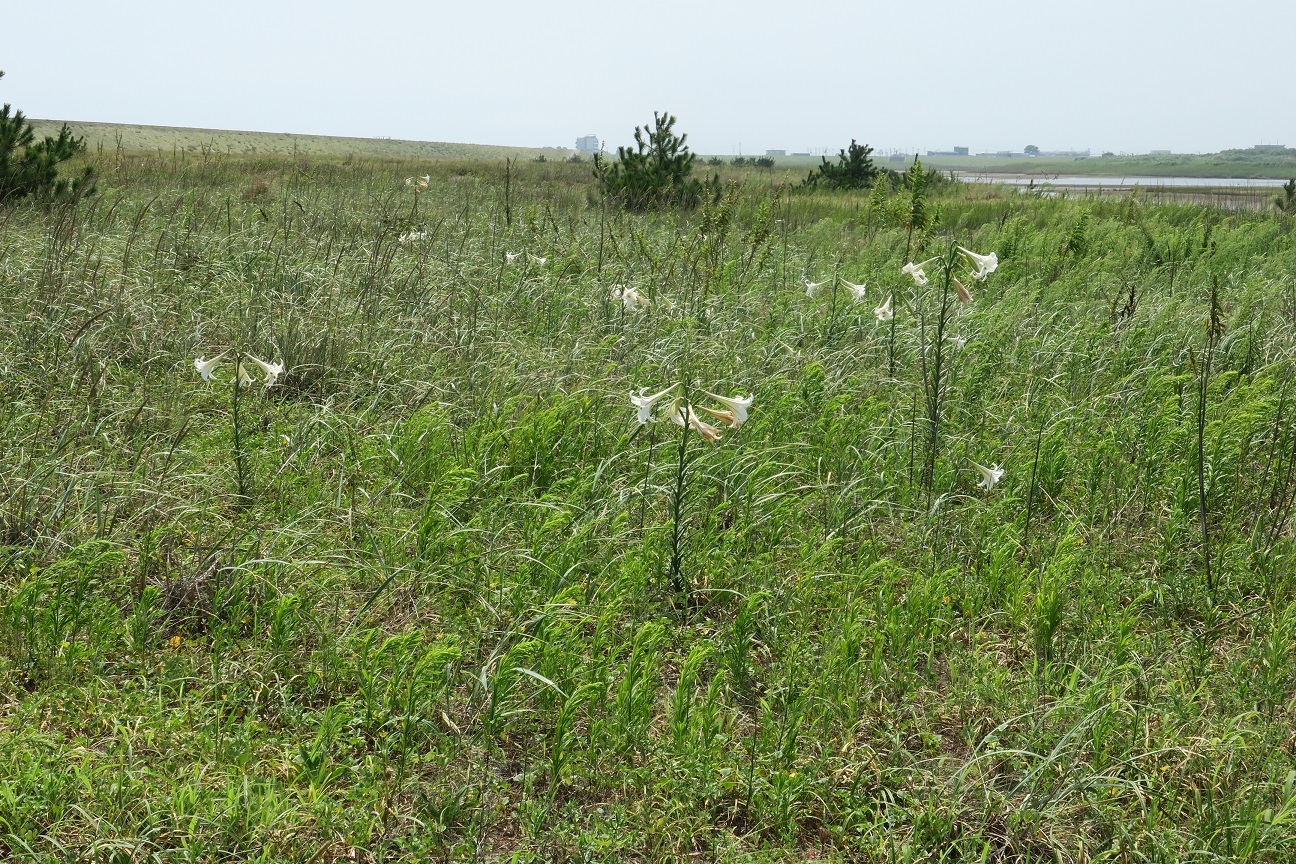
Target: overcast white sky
{"x": 1121, "y": 75}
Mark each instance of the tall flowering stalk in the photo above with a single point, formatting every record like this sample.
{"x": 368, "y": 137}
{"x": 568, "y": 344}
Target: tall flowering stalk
{"x": 935, "y": 346}
{"x": 240, "y": 457}
{"x": 682, "y": 412}
{"x": 934, "y": 369}
{"x": 240, "y": 380}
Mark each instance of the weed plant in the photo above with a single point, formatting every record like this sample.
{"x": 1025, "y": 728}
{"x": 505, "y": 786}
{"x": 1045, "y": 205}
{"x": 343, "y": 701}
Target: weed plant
{"x": 428, "y": 612}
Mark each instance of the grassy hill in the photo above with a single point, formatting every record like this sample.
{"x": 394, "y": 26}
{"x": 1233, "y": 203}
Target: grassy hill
{"x": 130, "y": 137}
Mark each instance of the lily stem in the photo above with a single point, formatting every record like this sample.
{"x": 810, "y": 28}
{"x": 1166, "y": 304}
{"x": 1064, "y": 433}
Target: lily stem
{"x": 678, "y": 583}
{"x": 240, "y": 466}
{"x": 643, "y": 498}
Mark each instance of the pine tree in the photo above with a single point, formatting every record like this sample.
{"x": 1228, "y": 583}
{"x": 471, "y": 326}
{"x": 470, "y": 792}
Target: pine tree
{"x": 657, "y": 172}
{"x": 1287, "y": 201}
{"x": 854, "y": 169}
{"x": 30, "y": 167}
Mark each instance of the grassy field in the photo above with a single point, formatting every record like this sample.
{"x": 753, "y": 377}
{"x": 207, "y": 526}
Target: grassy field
{"x": 788, "y": 169}
{"x": 109, "y": 137}
{"x": 437, "y": 595}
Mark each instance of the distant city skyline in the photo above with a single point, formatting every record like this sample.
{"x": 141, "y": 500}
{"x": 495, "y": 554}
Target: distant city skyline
{"x": 993, "y": 75}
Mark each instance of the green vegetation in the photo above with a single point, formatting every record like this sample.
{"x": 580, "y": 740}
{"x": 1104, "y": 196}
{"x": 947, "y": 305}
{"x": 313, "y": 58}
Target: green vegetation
{"x": 127, "y": 137}
{"x": 747, "y": 161}
{"x": 109, "y": 137}
{"x": 853, "y": 170}
{"x": 1229, "y": 163}
{"x": 29, "y": 167}
{"x": 436, "y": 595}
{"x": 1286, "y": 201}
{"x": 657, "y": 172}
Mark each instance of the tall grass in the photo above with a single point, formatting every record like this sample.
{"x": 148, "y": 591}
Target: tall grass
{"x": 441, "y": 623}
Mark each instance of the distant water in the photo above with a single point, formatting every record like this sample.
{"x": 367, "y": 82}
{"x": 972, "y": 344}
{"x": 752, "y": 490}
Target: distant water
{"x": 1093, "y": 182}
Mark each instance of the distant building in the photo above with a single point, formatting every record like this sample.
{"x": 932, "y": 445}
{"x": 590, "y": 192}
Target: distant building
{"x": 775, "y": 152}
{"x": 1269, "y": 147}
{"x": 587, "y": 144}
{"x": 1160, "y": 152}
{"x": 1077, "y": 154}
{"x": 807, "y": 153}
{"x": 957, "y": 151}
{"x": 960, "y": 151}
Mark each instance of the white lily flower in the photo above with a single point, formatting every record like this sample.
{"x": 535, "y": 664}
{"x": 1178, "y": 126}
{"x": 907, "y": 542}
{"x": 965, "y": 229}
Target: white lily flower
{"x": 811, "y": 286}
{"x": 205, "y": 367}
{"x": 244, "y": 379}
{"x": 630, "y": 297}
{"x": 272, "y": 370}
{"x": 675, "y": 411}
{"x": 645, "y": 403}
{"x": 510, "y": 257}
{"x": 857, "y": 291}
{"x": 537, "y": 260}
{"x": 916, "y": 271}
{"x": 989, "y": 476}
{"x": 736, "y": 416}
{"x": 984, "y": 264}
{"x": 884, "y": 312}
{"x": 959, "y": 342}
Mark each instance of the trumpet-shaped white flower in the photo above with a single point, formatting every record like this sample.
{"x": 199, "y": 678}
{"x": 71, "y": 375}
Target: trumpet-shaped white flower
{"x": 884, "y": 312}
{"x": 411, "y": 237}
{"x": 916, "y": 271}
{"x": 811, "y": 286}
{"x": 510, "y": 257}
{"x": 630, "y": 297}
{"x": 959, "y": 342}
{"x": 645, "y": 403}
{"x": 984, "y": 264}
{"x": 272, "y": 370}
{"x": 737, "y": 406}
{"x": 989, "y": 476}
{"x": 244, "y": 379}
{"x": 857, "y": 291}
{"x": 537, "y": 260}
{"x": 205, "y": 367}
{"x": 675, "y": 411}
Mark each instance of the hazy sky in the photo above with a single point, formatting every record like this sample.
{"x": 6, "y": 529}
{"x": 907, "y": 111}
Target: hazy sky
{"x": 1121, "y": 75}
